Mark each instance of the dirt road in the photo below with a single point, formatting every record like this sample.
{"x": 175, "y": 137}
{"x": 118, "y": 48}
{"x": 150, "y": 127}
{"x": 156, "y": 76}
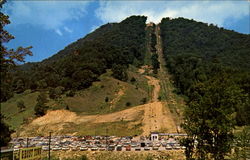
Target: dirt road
{"x": 155, "y": 83}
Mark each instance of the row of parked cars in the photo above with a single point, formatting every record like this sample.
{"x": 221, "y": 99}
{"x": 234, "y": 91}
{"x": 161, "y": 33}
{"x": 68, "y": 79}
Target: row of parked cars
{"x": 143, "y": 146}
{"x": 97, "y": 143}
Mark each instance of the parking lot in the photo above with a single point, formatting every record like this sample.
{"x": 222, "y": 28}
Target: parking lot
{"x": 98, "y": 143}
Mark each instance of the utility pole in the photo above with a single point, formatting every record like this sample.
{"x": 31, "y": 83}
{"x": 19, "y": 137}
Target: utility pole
{"x": 27, "y": 142}
{"x": 49, "y": 143}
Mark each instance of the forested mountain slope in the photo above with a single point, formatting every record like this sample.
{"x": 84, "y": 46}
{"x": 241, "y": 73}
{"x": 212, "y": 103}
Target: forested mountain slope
{"x": 112, "y": 46}
{"x": 198, "y": 54}
{"x": 207, "y": 41}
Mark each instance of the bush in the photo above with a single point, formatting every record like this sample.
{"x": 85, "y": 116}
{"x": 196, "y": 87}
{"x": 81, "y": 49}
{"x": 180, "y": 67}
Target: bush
{"x": 128, "y": 104}
{"x": 70, "y": 93}
{"x": 20, "y": 105}
{"x": 84, "y": 157}
{"x": 132, "y": 80}
{"x": 106, "y": 99}
{"x": 143, "y": 100}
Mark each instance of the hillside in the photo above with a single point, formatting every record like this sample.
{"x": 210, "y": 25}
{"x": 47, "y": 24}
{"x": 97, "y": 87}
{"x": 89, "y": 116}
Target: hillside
{"x": 197, "y": 54}
{"x": 128, "y": 77}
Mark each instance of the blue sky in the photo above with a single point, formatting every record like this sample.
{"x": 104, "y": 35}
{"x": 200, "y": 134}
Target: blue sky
{"x": 49, "y": 26}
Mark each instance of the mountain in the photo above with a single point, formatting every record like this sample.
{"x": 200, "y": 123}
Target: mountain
{"x": 126, "y": 76}
{"x": 211, "y": 43}
{"x": 197, "y": 53}
{"x": 112, "y": 46}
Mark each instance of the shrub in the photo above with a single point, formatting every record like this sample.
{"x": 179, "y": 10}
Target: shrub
{"x": 128, "y": 104}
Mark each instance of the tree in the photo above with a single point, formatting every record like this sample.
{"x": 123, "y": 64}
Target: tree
{"x": 19, "y": 86}
{"x": 8, "y": 59}
{"x": 119, "y": 72}
{"x": 20, "y": 105}
{"x": 210, "y": 116}
{"x": 52, "y": 93}
{"x": 155, "y": 62}
{"x": 242, "y": 144}
{"x": 5, "y": 132}
{"x": 40, "y": 108}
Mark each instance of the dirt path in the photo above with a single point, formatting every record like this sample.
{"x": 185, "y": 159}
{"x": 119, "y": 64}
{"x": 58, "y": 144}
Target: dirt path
{"x": 119, "y": 94}
{"x": 156, "y": 118}
{"x": 173, "y": 101}
{"x": 154, "y": 82}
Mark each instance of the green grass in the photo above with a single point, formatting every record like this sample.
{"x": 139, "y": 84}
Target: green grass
{"x": 14, "y": 118}
{"x": 85, "y": 102}
{"x": 92, "y": 100}
{"x": 120, "y": 128}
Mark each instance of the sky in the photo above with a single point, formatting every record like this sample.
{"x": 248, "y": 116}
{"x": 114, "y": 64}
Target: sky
{"x": 49, "y": 26}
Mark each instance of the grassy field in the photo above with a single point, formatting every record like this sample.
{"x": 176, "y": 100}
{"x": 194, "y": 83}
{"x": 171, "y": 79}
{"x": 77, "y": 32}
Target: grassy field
{"x": 14, "y": 117}
{"x": 92, "y": 100}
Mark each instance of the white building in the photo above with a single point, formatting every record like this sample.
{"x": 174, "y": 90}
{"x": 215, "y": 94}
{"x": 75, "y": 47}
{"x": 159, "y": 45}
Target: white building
{"x": 154, "y": 136}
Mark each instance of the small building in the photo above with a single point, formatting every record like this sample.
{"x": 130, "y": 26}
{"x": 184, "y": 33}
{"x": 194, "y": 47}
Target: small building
{"x": 154, "y": 136}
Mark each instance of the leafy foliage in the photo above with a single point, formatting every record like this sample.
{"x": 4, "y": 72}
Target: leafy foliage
{"x": 5, "y": 132}
{"x": 8, "y": 59}
{"x": 112, "y": 46}
{"x": 195, "y": 52}
{"x": 155, "y": 63}
{"x": 20, "y": 105}
{"x": 40, "y": 108}
{"x": 210, "y": 66}
{"x": 212, "y": 105}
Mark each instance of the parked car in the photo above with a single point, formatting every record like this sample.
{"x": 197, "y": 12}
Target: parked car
{"x": 155, "y": 148}
{"x": 65, "y": 148}
{"x": 83, "y": 148}
{"x": 94, "y": 149}
{"x": 118, "y": 148}
{"x": 146, "y": 148}
{"x": 102, "y": 149}
{"x": 111, "y": 148}
{"x": 168, "y": 147}
{"x": 128, "y": 148}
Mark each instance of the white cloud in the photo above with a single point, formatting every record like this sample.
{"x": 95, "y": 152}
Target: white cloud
{"x": 206, "y": 11}
{"x": 58, "y": 32}
{"x": 67, "y": 29}
{"x": 50, "y": 15}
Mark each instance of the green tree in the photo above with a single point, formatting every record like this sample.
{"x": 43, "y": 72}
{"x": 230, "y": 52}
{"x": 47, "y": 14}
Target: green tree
{"x": 119, "y": 72}
{"x": 210, "y": 116}
{"x": 20, "y": 105}
{"x": 41, "y": 108}
{"x": 155, "y": 63}
{"x": 5, "y": 132}
{"x": 8, "y": 59}
{"x": 52, "y": 93}
{"x": 242, "y": 144}
{"x": 20, "y": 86}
